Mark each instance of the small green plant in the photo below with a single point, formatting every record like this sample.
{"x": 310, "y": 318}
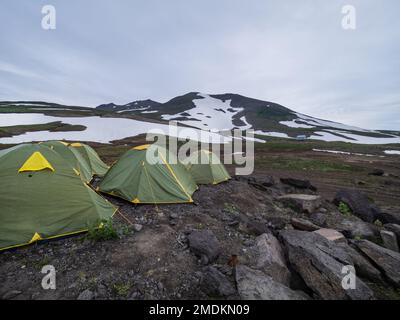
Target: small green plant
{"x": 82, "y": 276}
{"x": 106, "y": 231}
{"x": 121, "y": 289}
{"x": 378, "y": 223}
{"x": 230, "y": 208}
{"x": 358, "y": 237}
{"x": 344, "y": 209}
{"x": 200, "y": 226}
{"x": 41, "y": 263}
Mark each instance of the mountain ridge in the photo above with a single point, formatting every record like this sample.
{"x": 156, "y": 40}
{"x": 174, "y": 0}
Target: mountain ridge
{"x": 246, "y": 112}
{"x": 217, "y": 112}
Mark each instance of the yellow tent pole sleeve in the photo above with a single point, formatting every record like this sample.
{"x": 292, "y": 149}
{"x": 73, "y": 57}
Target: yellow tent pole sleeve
{"x": 142, "y": 147}
{"x": 175, "y": 177}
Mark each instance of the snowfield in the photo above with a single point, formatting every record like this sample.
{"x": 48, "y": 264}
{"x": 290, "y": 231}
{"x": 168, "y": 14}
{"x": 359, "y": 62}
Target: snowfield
{"x": 329, "y": 135}
{"x": 324, "y": 123}
{"x": 272, "y": 134}
{"x": 152, "y": 111}
{"x": 347, "y": 153}
{"x": 98, "y": 129}
{"x": 295, "y": 124}
{"x": 136, "y": 109}
{"x": 211, "y": 114}
{"x": 395, "y": 152}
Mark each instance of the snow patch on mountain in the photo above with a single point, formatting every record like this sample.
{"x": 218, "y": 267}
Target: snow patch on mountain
{"x": 347, "y": 153}
{"x": 151, "y": 111}
{"x": 329, "y": 135}
{"x": 99, "y": 129}
{"x": 295, "y": 124}
{"x": 272, "y": 134}
{"x": 391, "y": 152}
{"x": 210, "y": 114}
{"x": 325, "y": 123}
{"x": 135, "y": 109}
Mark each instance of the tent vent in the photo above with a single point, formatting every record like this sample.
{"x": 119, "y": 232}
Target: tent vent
{"x": 36, "y": 162}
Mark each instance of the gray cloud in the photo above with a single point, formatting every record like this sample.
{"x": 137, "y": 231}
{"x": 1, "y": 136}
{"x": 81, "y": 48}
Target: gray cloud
{"x": 292, "y": 52}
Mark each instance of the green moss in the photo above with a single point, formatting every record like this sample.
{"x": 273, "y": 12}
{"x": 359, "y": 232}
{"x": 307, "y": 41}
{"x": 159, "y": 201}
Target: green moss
{"x": 344, "y": 209}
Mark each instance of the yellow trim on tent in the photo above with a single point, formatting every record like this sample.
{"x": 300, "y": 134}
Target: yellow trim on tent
{"x": 53, "y": 237}
{"x": 136, "y": 200}
{"x": 175, "y": 177}
{"x": 64, "y": 143}
{"x": 76, "y": 144}
{"x": 36, "y": 162}
{"x": 36, "y": 237}
{"x": 142, "y": 147}
{"x": 172, "y": 202}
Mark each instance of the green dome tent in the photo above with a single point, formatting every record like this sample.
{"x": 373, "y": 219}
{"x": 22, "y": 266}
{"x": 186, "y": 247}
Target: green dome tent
{"x": 206, "y": 168}
{"x": 137, "y": 180}
{"x": 42, "y": 197}
{"x": 75, "y": 159}
{"x": 96, "y": 165}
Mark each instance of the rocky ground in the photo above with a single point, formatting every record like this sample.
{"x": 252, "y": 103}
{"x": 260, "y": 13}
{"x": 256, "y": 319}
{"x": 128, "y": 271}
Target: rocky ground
{"x": 278, "y": 234}
{"x": 247, "y": 238}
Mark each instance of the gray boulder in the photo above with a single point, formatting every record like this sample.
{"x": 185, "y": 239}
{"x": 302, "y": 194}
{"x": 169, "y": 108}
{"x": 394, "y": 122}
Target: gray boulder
{"x": 306, "y": 203}
{"x": 363, "y": 267}
{"x": 387, "y": 261}
{"x": 319, "y": 218}
{"x": 86, "y": 295}
{"x": 303, "y": 224}
{"x": 262, "y": 184}
{"x": 270, "y": 258}
{"x": 389, "y": 240}
{"x": 320, "y": 263}
{"x": 297, "y": 183}
{"x": 11, "y": 294}
{"x": 356, "y": 228}
{"x": 331, "y": 235}
{"x": 359, "y": 204}
{"x": 215, "y": 284}
{"x": 376, "y": 172}
{"x": 390, "y": 215}
{"x": 395, "y": 228}
{"x": 251, "y": 226}
{"x": 205, "y": 245}
{"x": 255, "y": 285}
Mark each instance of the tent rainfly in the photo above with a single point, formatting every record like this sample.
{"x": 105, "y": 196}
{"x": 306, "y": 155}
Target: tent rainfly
{"x": 42, "y": 197}
{"x": 75, "y": 159}
{"x": 96, "y": 165}
{"x": 206, "y": 168}
{"x": 144, "y": 174}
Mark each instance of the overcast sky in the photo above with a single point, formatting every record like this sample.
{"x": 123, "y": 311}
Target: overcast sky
{"x": 293, "y": 52}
